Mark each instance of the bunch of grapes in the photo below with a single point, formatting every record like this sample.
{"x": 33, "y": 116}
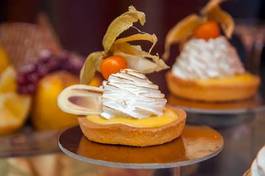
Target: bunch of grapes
{"x": 29, "y": 75}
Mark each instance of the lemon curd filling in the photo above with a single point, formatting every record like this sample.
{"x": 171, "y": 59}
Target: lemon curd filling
{"x": 148, "y": 122}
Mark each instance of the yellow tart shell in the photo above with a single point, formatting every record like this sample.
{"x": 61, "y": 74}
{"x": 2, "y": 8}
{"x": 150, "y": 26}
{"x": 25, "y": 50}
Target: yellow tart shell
{"x": 228, "y": 88}
{"x": 126, "y": 134}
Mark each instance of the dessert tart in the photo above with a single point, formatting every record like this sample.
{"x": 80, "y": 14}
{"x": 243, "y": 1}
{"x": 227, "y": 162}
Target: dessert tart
{"x": 133, "y": 112}
{"x": 208, "y": 67}
{"x": 127, "y": 109}
{"x": 258, "y": 165}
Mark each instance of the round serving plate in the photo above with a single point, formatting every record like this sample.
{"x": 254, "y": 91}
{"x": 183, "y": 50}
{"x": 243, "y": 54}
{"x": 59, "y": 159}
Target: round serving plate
{"x": 219, "y": 114}
{"x": 197, "y": 144}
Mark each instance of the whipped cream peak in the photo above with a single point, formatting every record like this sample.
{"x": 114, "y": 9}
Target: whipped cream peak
{"x": 258, "y": 165}
{"x": 130, "y": 93}
{"x": 202, "y": 59}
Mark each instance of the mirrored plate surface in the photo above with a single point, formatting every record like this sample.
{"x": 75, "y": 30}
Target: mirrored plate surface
{"x": 197, "y": 143}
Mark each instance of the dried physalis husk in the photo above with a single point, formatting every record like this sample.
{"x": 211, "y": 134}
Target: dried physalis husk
{"x": 181, "y": 31}
{"x": 214, "y": 12}
{"x": 122, "y": 46}
{"x": 140, "y": 64}
{"x": 138, "y": 37}
{"x": 135, "y": 56}
{"x": 184, "y": 29}
{"x": 81, "y": 100}
{"x": 121, "y": 24}
{"x": 90, "y": 66}
{"x": 138, "y": 59}
{"x": 210, "y": 5}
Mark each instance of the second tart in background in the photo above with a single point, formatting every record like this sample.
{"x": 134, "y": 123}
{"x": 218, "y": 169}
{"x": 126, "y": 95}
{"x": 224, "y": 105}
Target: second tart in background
{"x": 208, "y": 67}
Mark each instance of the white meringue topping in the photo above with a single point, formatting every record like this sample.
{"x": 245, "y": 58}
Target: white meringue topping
{"x": 130, "y": 93}
{"x": 258, "y": 165}
{"x": 202, "y": 59}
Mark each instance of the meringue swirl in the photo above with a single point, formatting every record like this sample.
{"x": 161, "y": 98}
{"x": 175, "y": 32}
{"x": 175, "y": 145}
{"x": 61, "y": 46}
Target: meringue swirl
{"x": 202, "y": 59}
{"x": 258, "y": 165}
{"x": 130, "y": 93}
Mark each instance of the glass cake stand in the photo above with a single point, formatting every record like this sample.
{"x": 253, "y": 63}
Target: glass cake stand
{"x": 197, "y": 144}
{"x": 219, "y": 114}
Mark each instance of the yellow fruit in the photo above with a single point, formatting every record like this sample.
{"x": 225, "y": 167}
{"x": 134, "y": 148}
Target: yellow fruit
{"x": 4, "y": 62}
{"x": 46, "y": 114}
{"x": 8, "y": 80}
{"x": 14, "y": 110}
{"x": 96, "y": 81}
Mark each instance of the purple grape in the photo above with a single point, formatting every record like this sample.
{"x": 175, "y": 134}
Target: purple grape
{"x": 53, "y": 65}
{"x": 33, "y": 78}
{"x": 44, "y": 60}
{"x": 76, "y": 62}
{"x": 29, "y": 75}
{"x": 30, "y": 68}
{"x": 42, "y": 70}
{"x": 73, "y": 65}
{"x": 21, "y": 79}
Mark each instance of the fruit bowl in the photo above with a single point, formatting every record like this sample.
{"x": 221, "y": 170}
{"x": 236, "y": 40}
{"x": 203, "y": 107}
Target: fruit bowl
{"x": 33, "y": 70}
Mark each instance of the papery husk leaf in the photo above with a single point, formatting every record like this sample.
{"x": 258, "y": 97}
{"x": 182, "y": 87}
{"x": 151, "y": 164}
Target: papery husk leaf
{"x": 90, "y": 66}
{"x": 138, "y": 63}
{"x": 81, "y": 100}
{"x": 137, "y": 37}
{"x": 223, "y": 18}
{"x": 210, "y": 5}
{"x": 181, "y": 31}
{"x": 121, "y": 24}
{"x": 135, "y": 51}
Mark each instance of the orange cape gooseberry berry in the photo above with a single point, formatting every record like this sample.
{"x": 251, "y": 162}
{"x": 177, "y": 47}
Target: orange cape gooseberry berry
{"x": 207, "y": 30}
{"x": 112, "y": 64}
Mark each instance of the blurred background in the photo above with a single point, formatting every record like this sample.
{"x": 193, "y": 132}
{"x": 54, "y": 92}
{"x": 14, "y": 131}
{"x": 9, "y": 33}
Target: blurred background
{"x": 80, "y": 25}
{"x": 31, "y": 80}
